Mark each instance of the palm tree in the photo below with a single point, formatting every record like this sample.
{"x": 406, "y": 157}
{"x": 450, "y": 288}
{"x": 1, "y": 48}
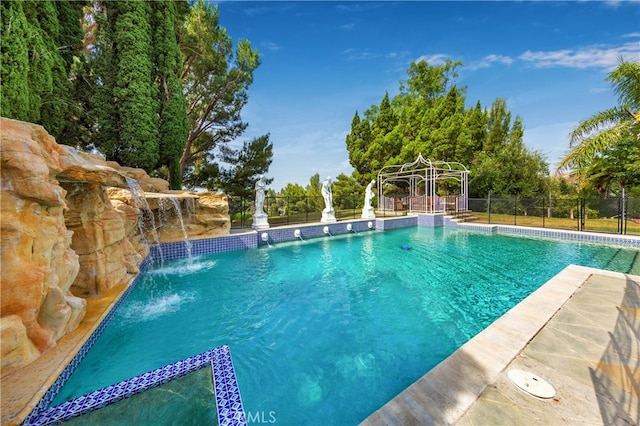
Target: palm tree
{"x": 603, "y": 130}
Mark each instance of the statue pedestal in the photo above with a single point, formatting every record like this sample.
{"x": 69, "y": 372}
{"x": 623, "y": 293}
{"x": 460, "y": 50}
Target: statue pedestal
{"x": 328, "y": 216}
{"x": 260, "y": 222}
{"x": 368, "y": 213}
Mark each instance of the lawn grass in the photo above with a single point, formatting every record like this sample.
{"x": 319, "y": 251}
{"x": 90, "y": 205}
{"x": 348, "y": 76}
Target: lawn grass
{"x": 600, "y": 225}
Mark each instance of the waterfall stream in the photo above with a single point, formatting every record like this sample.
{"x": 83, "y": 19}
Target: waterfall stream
{"x": 167, "y": 205}
{"x": 146, "y": 222}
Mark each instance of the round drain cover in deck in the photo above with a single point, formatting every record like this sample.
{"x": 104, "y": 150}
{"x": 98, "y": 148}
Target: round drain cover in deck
{"x": 531, "y": 384}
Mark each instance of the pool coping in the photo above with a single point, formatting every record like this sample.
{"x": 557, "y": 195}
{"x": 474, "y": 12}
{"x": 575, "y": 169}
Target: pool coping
{"x": 445, "y": 393}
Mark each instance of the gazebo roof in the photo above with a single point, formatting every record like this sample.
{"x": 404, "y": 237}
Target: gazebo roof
{"x": 439, "y": 169}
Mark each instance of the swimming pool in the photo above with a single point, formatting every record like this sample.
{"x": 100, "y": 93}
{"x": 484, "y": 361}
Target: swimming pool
{"x": 328, "y": 330}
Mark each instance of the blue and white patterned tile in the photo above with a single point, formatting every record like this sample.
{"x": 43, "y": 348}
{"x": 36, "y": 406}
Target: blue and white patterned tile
{"x": 119, "y": 391}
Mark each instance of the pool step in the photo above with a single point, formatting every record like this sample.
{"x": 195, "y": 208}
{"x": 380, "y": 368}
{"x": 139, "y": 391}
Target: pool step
{"x": 464, "y": 216}
{"x": 626, "y": 261}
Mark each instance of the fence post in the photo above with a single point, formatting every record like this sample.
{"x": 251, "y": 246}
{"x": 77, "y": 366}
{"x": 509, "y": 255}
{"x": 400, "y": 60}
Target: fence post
{"x": 620, "y": 207}
{"x": 624, "y": 210}
{"x": 543, "y": 211}
{"x": 288, "y": 209}
{"x": 622, "y": 214}
{"x": 489, "y": 206}
{"x": 581, "y": 214}
{"x": 515, "y": 210}
{"x": 243, "y": 211}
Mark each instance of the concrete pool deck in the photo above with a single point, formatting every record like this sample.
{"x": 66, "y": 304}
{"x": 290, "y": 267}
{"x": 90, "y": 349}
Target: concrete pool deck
{"x": 580, "y": 332}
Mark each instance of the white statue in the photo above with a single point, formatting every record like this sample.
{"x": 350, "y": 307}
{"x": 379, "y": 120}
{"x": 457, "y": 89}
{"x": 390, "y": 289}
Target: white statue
{"x": 367, "y": 210}
{"x": 327, "y": 194}
{"x": 260, "y": 186}
{"x": 368, "y": 194}
{"x": 328, "y": 214}
{"x": 260, "y": 220}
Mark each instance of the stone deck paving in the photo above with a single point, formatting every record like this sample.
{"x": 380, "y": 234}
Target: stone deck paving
{"x": 580, "y": 332}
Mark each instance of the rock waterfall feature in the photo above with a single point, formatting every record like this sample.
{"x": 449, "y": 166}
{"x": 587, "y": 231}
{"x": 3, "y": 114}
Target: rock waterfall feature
{"x": 69, "y": 231}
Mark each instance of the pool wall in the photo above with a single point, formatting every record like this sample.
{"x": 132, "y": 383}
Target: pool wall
{"x": 253, "y": 239}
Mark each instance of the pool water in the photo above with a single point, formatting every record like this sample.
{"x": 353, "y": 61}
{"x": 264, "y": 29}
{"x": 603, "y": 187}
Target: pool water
{"x": 328, "y": 330}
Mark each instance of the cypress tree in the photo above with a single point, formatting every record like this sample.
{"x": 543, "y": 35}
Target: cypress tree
{"x": 104, "y": 109}
{"x": 16, "y": 96}
{"x": 127, "y": 101}
{"x": 50, "y": 73}
{"x": 173, "y": 125}
{"x": 35, "y": 75}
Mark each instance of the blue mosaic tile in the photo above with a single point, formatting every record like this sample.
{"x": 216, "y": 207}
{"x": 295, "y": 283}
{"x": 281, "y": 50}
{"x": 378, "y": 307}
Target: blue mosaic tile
{"x": 284, "y": 234}
{"x": 228, "y": 400}
{"x": 618, "y": 240}
{"x": 225, "y": 383}
{"x": 396, "y": 223}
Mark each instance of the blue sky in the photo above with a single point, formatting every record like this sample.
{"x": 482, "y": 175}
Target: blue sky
{"x": 323, "y": 61}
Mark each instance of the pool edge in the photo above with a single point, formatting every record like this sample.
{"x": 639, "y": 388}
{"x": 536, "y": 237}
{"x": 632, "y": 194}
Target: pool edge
{"x": 445, "y": 394}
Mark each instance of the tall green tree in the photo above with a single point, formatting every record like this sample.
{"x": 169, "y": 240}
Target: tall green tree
{"x": 173, "y": 127}
{"x": 498, "y": 123}
{"x": 429, "y": 82}
{"x": 17, "y": 98}
{"x": 138, "y": 104}
{"x": 55, "y": 88}
{"x": 244, "y": 167}
{"x": 475, "y": 125}
{"x": 603, "y": 136}
{"x": 347, "y": 192}
{"x": 37, "y": 44}
{"x": 216, "y": 82}
{"x": 358, "y": 142}
{"x": 313, "y": 191}
{"x": 127, "y": 105}
{"x": 429, "y": 117}
{"x": 511, "y": 169}
{"x": 294, "y": 200}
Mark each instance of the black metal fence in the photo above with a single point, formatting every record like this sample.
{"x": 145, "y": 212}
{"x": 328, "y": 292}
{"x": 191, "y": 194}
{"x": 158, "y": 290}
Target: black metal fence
{"x": 292, "y": 210}
{"x": 612, "y": 215}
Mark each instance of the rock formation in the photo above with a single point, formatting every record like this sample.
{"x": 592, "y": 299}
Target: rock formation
{"x": 38, "y": 264}
{"x": 69, "y": 230}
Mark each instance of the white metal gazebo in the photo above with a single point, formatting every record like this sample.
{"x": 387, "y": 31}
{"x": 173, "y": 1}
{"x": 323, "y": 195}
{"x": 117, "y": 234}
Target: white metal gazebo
{"x": 427, "y": 184}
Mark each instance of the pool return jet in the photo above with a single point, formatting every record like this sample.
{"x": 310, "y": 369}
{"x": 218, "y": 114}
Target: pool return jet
{"x": 265, "y": 238}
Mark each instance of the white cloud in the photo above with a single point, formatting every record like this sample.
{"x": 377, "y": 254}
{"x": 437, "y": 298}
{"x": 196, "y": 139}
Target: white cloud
{"x": 589, "y": 57}
{"x": 257, "y": 10}
{"x": 353, "y": 54}
{"x": 632, "y": 35}
{"x": 435, "y": 59}
{"x": 358, "y": 7}
{"x": 269, "y": 45}
{"x": 616, "y": 3}
{"x": 348, "y": 27}
{"x": 489, "y": 60}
